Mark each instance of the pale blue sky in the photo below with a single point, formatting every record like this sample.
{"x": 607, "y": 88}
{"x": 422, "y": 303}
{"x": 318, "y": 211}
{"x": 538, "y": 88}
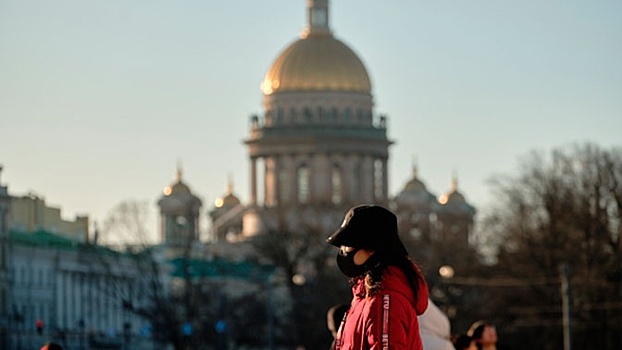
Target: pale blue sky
{"x": 99, "y": 99}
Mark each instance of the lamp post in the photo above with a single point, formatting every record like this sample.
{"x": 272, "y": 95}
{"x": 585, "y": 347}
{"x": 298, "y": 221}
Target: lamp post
{"x": 566, "y": 292}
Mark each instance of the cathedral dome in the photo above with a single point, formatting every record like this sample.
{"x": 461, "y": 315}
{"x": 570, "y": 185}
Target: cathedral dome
{"x": 317, "y": 62}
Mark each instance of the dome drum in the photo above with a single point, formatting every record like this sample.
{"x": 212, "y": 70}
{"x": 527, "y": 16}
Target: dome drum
{"x": 377, "y": 148}
{"x": 292, "y": 106}
{"x": 297, "y": 134}
{"x": 319, "y": 118}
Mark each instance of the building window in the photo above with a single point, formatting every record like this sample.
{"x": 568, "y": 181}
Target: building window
{"x": 334, "y": 114}
{"x": 269, "y": 118}
{"x": 303, "y": 184}
{"x": 308, "y": 114}
{"x": 293, "y": 114}
{"x": 347, "y": 115}
{"x": 279, "y": 117}
{"x": 335, "y": 178}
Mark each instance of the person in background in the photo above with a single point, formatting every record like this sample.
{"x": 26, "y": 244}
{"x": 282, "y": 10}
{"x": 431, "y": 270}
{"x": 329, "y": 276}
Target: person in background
{"x": 334, "y": 318}
{"x": 435, "y": 329}
{"x": 484, "y": 334}
{"x": 464, "y": 342}
{"x": 388, "y": 288}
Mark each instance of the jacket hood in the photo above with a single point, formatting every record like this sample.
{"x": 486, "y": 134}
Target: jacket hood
{"x": 395, "y": 280}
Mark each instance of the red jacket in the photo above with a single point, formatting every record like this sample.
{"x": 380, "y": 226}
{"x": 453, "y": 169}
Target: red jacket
{"x": 387, "y": 319}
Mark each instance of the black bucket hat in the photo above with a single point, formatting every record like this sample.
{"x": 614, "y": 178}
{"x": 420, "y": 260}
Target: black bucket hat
{"x": 369, "y": 226}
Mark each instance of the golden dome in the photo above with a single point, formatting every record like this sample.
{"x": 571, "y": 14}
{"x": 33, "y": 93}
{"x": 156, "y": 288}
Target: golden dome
{"x": 229, "y": 200}
{"x": 453, "y": 196}
{"x": 317, "y": 62}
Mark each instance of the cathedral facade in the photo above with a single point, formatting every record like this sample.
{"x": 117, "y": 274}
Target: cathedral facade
{"x": 319, "y": 148}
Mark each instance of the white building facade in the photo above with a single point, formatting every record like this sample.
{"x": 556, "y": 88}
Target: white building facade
{"x": 75, "y": 294}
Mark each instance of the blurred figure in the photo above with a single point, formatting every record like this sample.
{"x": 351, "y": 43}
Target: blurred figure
{"x": 435, "y": 329}
{"x": 334, "y": 318}
{"x": 51, "y": 346}
{"x": 464, "y": 342}
{"x": 484, "y": 334}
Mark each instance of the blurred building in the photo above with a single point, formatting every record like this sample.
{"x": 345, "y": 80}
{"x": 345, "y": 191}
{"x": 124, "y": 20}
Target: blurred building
{"x": 30, "y": 212}
{"x": 319, "y": 148}
{"x": 179, "y": 216}
{"x": 424, "y": 216}
{"x": 5, "y": 260}
{"x": 56, "y": 285}
{"x": 75, "y": 293}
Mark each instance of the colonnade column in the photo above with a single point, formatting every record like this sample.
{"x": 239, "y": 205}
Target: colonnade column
{"x": 253, "y": 199}
{"x": 385, "y": 180}
{"x": 367, "y": 178}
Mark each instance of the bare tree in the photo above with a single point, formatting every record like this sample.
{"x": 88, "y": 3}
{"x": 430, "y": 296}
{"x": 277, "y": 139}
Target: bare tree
{"x": 126, "y": 224}
{"x": 125, "y": 229}
{"x": 564, "y": 209}
{"x": 302, "y": 256}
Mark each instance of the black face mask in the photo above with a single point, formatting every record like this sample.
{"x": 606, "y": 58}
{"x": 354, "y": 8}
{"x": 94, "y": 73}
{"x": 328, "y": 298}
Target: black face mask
{"x": 346, "y": 264}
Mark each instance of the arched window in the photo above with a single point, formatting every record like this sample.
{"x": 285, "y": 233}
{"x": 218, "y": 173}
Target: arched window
{"x": 334, "y": 116}
{"x": 303, "y": 184}
{"x": 279, "y": 116}
{"x": 337, "y": 187}
{"x": 269, "y": 118}
{"x": 308, "y": 115}
{"x": 293, "y": 115}
{"x": 347, "y": 115}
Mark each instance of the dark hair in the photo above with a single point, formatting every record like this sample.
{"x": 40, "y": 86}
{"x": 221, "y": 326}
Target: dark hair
{"x": 462, "y": 342}
{"x": 52, "y": 346}
{"x": 407, "y": 265}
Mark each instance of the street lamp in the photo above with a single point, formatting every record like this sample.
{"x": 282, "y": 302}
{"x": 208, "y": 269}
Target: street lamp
{"x": 446, "y": 271}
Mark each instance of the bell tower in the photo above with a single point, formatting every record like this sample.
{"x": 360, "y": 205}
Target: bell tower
{"x": 179, "y": 214}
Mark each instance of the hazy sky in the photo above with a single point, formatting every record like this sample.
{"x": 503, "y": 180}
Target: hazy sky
{"x": 99, "y": 99}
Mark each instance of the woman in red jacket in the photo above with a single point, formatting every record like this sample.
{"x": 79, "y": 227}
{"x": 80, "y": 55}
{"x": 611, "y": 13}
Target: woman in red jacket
{"x": 389, "y": 290}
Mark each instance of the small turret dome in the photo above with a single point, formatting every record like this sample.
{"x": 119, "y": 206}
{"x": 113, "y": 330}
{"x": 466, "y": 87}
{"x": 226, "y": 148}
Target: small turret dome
{"x": 229, "y": 200}
{"x": 178, "y": 186}
{"x": 415, "y": 192}
{"x": 454, "y": 201}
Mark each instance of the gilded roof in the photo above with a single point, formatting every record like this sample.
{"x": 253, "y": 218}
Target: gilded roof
{"x": 317, "y": 63}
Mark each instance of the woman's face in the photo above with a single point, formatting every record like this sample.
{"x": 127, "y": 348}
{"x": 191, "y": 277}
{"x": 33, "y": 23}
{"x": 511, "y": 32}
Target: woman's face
{"x": 489, "y": 335}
